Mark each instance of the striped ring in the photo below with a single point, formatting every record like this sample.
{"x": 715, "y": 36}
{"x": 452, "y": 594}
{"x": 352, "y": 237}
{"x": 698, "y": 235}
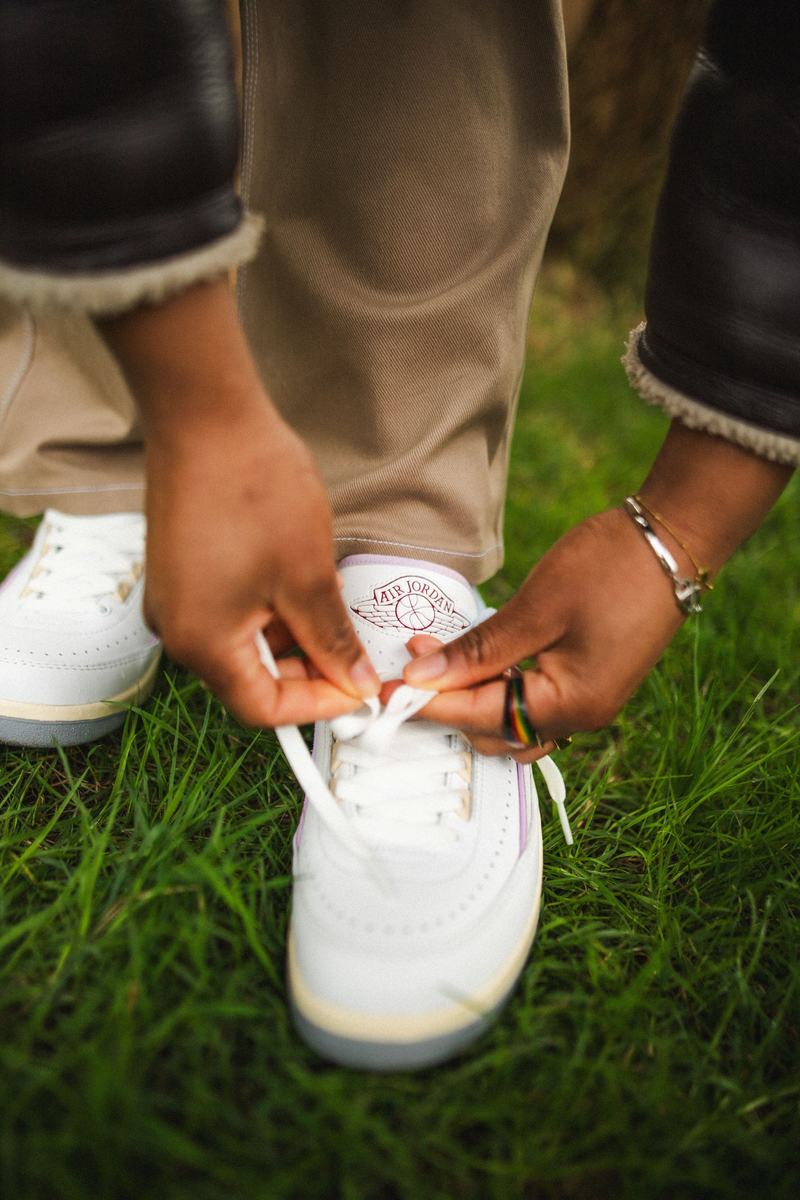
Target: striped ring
{"x": 518, "y": 729}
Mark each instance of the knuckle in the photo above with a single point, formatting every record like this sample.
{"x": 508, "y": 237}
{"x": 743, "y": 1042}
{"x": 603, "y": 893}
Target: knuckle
{"x": 218, "y": 674}
{"x": 595, "y": 712}
{"x": 576, "y": 704}
{"x": 251, "y": 715}
{"x": 186, "y": 645}
{"x": 483, "y": 710}
{"x": 340, "y": 640}
{"x": 180, "y": 640}
{"x": 525, "y": 757}
{"x": 313, "y": 583}
{"x": 479, "y": 740}
{"x": 479, "y": 647}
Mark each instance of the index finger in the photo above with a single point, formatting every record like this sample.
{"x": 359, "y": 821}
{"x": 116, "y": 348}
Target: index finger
{"x": 316, "y": 616}
{"x": 479, "y": 710}
{"x": 254, "y": 695}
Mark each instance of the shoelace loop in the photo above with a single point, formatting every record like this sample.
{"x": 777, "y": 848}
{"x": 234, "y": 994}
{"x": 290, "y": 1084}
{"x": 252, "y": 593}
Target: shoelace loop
{"x": 77, "y": 565}
{"x": 366, "y": 737}
{"x": 401, "y": 780}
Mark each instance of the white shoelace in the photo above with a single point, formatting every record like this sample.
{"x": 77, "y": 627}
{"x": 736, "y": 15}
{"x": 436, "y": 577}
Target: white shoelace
{"x": 81, "y": 570}
{"x": 394, "y": 784}
{"x": 399, "y": 781}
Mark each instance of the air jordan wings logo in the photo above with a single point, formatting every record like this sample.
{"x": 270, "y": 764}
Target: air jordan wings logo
{"x": 412, "y": 603}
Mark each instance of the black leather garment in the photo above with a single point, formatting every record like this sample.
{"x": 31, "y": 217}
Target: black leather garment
{"x": 723, "y": 292}
{"x": 118, "y": 132}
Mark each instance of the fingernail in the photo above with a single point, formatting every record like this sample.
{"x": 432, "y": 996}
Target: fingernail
{"x": 421, "y": 670}
{"x": 364, "y": 677}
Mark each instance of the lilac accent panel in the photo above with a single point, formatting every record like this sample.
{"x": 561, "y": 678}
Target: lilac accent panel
{"x": 298, "y": 832}
{"x": 523, "y": 808}
{"x": 369, "y": 560}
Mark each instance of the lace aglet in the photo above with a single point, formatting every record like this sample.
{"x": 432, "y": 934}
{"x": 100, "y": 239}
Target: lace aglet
{"x": 555, "y": 786}
{"x": 564, "y": 819}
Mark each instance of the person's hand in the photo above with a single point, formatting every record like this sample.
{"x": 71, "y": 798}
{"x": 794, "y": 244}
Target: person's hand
{"x": 239, "y": 539}
{"x": 239, "y": 528}
{"x": 596, "y": 612}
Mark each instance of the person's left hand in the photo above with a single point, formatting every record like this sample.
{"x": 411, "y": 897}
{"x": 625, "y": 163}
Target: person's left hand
{"x": 596, "y": 612}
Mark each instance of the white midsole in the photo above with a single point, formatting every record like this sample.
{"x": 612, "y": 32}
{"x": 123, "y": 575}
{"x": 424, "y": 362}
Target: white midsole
{"x": 369, "y": 1027}
{"x": 94, "y": 710}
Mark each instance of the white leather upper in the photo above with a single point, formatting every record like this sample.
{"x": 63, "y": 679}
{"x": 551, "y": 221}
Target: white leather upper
{"x": 431, "y": 924}
{"x": 50, "y": 656}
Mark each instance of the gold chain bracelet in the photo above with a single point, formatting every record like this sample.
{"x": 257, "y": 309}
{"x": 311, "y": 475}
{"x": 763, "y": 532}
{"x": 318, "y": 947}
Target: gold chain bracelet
{"x": 701, "y": 573}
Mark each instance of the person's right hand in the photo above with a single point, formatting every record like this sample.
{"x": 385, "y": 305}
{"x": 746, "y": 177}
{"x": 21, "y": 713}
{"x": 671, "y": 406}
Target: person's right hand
{"x": 239, "y": 539}
{"x": 239, "y": 527}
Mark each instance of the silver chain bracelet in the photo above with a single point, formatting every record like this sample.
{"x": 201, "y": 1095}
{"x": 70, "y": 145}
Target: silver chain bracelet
{"x": 687, "y": 591}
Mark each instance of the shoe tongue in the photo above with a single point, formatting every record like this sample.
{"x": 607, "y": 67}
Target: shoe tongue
{"x": 392, "y": 599}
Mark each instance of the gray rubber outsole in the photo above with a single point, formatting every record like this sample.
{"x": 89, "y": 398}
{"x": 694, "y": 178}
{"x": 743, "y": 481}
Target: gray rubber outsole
{"x": 43, "y": 735}
{"x": 391, "y": 1056}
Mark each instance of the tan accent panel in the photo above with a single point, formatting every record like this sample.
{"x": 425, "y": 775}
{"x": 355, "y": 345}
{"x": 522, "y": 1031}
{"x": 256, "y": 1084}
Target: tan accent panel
{"x": 69, "y": 434}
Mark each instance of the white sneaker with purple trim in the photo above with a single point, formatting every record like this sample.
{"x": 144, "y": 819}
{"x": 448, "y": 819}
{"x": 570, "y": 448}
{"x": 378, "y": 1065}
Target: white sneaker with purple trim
{"x": 74, "y": 649}
{"x": 418, "y": 862}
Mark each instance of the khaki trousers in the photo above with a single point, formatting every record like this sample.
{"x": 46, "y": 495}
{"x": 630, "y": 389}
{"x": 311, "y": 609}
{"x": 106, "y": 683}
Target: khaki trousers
{"x": 407, "y": 157}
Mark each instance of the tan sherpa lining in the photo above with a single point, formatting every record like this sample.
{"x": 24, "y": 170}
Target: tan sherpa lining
{"x": 107, "y": 292}
{"x": 774, "y": 446}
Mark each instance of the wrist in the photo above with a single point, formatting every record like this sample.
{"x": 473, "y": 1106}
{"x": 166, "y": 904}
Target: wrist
{"x": 177, "y": 417}
{"x": 687, "y": 577}
{"x": 189, "y": 366}
{"x": 712, "y": 495}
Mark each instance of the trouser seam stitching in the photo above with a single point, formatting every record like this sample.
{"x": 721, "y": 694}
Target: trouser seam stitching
{"x": 371, "y": 537}
{"x": 61, "y": 491}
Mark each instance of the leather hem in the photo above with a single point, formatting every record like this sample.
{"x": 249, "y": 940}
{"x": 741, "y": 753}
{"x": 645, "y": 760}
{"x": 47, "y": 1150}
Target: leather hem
{"x": 108, "y": 292}
{"x": 765, "y": 443}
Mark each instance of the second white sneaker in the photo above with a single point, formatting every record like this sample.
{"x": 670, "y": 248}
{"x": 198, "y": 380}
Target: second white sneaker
{"x": 74, "y": 648}
{"x": 418, "y": 862}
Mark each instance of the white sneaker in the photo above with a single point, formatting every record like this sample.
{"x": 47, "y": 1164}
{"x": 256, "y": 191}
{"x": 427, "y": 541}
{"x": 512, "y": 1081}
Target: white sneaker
{"x": 418, "y": 881}
{"x": 74, "y": 648}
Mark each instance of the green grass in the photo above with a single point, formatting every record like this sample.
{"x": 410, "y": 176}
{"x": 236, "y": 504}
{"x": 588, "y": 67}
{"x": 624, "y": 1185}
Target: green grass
{"x": 652, "y": 1047}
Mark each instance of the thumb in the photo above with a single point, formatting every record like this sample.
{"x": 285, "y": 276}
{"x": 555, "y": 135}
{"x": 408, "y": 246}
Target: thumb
{"x": 481, "y": 653}
{"x": 319, "y": 621}
{"x": 480, "y": 710}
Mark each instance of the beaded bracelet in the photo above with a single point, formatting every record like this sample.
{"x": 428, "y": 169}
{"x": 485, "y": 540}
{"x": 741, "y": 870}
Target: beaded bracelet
{"x": 687, "y": 591}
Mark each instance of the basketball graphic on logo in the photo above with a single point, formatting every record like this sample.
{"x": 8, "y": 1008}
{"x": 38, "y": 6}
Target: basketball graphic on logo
{"x": 415, "y": 612}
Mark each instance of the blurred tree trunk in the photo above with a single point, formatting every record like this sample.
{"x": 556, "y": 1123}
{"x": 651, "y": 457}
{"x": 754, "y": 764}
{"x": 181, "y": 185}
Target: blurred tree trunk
{"x": 629, "y": 60}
